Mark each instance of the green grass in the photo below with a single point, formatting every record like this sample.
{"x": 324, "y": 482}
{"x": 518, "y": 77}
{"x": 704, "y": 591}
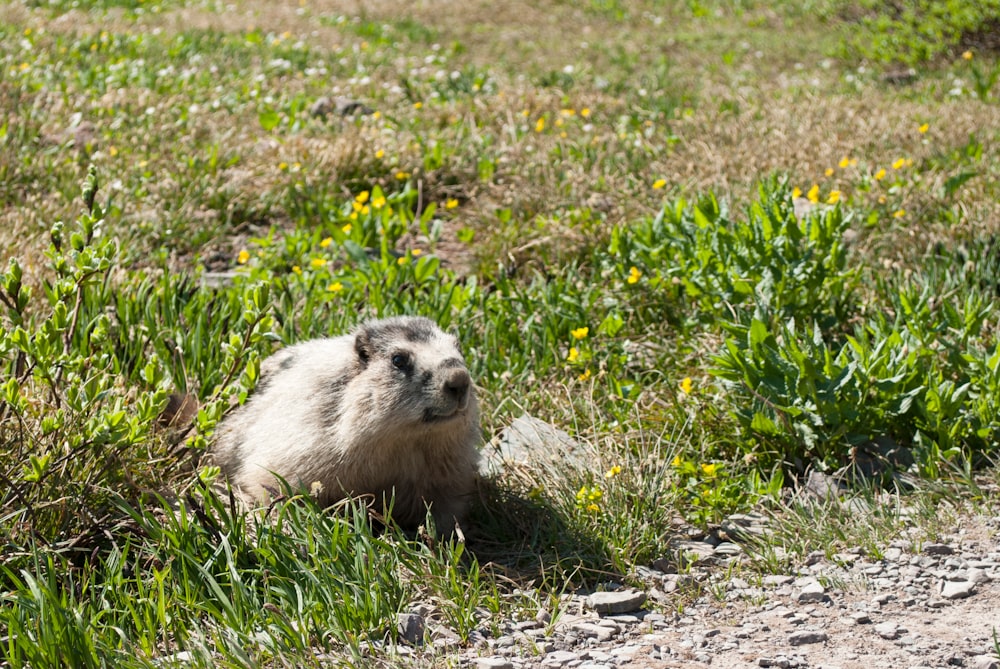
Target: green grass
{"x": 706, "y": 239}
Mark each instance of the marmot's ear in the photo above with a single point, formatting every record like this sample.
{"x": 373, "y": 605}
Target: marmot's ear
{"x": 362, "y": 346}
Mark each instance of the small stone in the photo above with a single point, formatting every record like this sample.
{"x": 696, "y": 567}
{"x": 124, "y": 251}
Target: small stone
{"x": 888, "y": 630}
{"x": 806, "y": 637}
{"x": 938, "y": 549}
{"x": 622, "y": 601}
{"x": 957, "y": 589}
{"x": 983, "y": 662}
{"x": 728, "y": 548}
{"x": 599, "y": 632}
{"x": 494, "y": 663}
{"x": 411, "y": 628}
{"x": 558, "y": 658}
{"x": 811, "y": 592}
{"x": 861, "y": 618}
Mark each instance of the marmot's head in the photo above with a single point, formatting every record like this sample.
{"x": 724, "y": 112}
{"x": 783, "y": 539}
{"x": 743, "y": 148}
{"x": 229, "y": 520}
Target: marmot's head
{"x": 417, "y": 373}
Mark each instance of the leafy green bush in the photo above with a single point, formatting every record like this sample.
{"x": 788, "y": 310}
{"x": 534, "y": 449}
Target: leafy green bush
{"x": 915, "y": 32}
{"x": 88, "y": 370}
{"x": 718, "y": 264}
{"x": 921, "y": 388}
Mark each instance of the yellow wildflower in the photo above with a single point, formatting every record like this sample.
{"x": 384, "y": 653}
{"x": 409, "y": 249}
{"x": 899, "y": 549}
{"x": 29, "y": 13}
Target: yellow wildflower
{"x": 401, "y": 175}
{"x": 829, "y": 172}
{"x": 676, "y": 462}
{"x": 593, "y": 508}
{"x": 899, "y": 213}
{"x": 346, "y": 229}
{"x": 243, "y": 257}
{"x": 283, "y": 166}
{"x": 416, "y": 252}
{"x": 112, "y": 151}
{"x": 708, "y": 469}
{"x": 634, "y": 275}
{"x": 967, "y": 55}
{"x": 540, "y": 124}
{"x": 451, "y": 203}
{"x": 418, "y": 105}
{"x": 580, "y": 333}
{"x": 585, "y": 375}
{"x": 362, "y": 197}
{"x": 686, "y": 384}
{"x": 326, "y": 242}
{"x": 844, "y": 163}
{"x": 317, "y": 262}
{"x": 296, "y": 269}
{"x": 899, "y": 163}
{"x": 613, "y": 472}
{"x": 378, "y": 202}
{"x": 659, "y": 183}
{"x": 924, "y": 128}
{"x": 585, "y": 112}
{"x": 335, "y": 287}
{"x": 380, "y": 154}
{"x": 834, "y": 197}
{"x": 573, "y": 354}
{"x": 880, "y": 174}
{"x": 813, "y": 194}
{"x": 796, "y": 193}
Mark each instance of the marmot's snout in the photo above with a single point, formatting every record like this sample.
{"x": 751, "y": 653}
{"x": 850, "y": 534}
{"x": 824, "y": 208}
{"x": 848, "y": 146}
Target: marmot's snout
{"x": 456, "y": 388}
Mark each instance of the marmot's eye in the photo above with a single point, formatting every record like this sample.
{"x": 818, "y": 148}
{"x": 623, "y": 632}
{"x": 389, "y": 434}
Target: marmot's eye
{"x": 401, "y": 361}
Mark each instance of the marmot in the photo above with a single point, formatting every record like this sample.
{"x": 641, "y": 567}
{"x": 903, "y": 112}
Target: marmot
{"x": 387, "y": 411}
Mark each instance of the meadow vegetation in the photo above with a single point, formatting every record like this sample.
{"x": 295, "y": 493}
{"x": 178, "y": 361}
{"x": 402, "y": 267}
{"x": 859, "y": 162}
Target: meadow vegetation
{"x": 723, "y": 242}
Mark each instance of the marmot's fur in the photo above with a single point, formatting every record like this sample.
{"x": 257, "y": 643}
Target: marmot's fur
{"x": 387, "y": 411}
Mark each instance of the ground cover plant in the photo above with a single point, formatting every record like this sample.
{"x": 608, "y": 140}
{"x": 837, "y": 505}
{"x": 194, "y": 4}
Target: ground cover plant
{"x": 722, "y": 244}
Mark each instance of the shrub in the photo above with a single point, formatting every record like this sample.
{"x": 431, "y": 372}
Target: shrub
{"x": 915, "y": 32}
{"x": 717, "y": 264}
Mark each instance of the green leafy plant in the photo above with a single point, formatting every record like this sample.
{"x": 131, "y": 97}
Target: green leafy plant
{"x": 701, "y": 255}
{"x": 915, "y": 32}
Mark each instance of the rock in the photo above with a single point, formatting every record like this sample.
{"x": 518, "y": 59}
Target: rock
{"x": 807, "y": 637}
{"x": 957, "y": 589}
{"x": 938, "y": 549}
{"x": 621, "y": 601}
{"x": 558, "y": 658}
{"x": 824, "y": 487}
{"x": 887, "y": 630}
{"x": 983, "y": 662}
{"x": 812, "y": 592}
{"x": 494, "y": 663}
{"x": 598, "y": 632}
{"x": 529, "y": 445}
{"x": 410, "y": 627}
{"x": 340, "y": 105}
{"x": 727, "y": 548}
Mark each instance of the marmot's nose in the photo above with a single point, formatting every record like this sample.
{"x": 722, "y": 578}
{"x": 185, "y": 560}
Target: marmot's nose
{"x": 456, "y": 386}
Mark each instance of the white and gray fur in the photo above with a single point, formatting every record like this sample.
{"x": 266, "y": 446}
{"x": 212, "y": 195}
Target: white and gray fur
{"x": 388, "y": 411}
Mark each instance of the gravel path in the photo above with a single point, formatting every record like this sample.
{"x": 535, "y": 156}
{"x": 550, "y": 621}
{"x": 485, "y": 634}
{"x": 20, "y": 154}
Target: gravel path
{"x": 930, "y": 605}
